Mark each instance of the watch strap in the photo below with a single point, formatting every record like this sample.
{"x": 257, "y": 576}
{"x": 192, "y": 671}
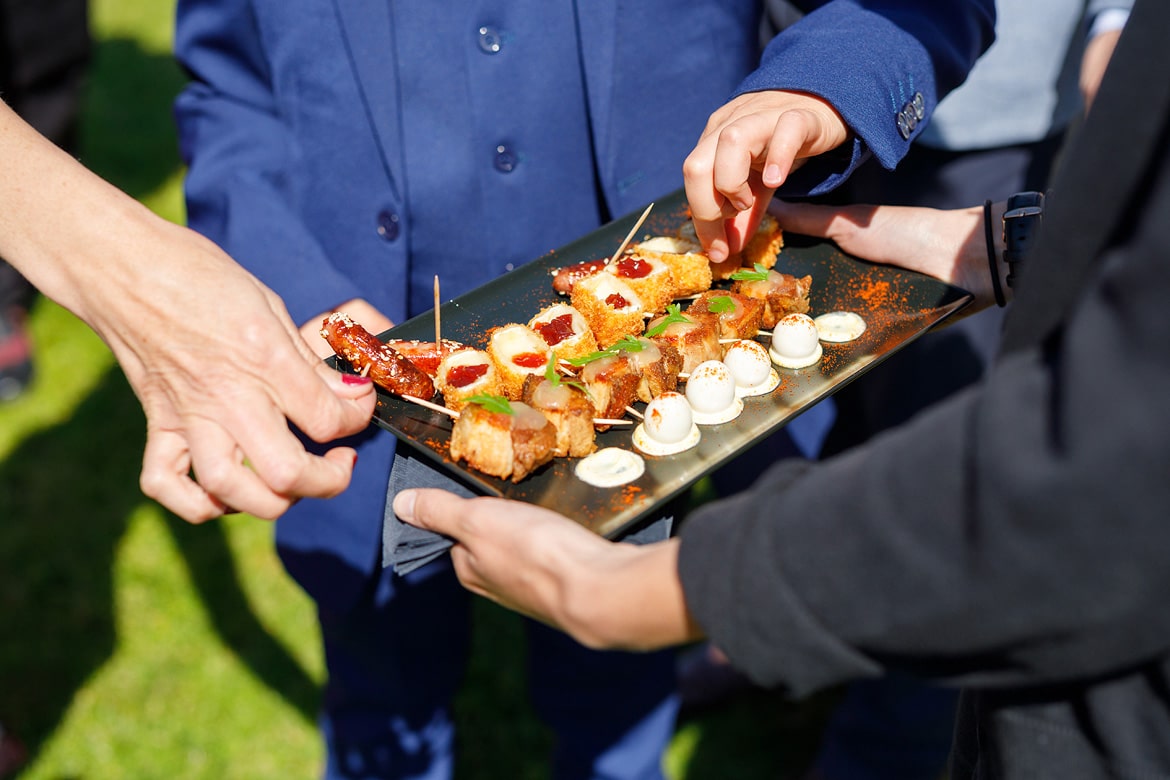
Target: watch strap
{"x": 1021, "y": 223}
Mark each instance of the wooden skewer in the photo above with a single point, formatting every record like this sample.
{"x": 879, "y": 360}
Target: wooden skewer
{"x": 454, "y": 415}
{"x": 629, "y": 237}
{"x": 438, "y": 340}
{"x": 365, "y": 370}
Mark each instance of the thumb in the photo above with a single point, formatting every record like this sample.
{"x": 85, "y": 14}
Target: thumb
{"x": 428, "y": 508}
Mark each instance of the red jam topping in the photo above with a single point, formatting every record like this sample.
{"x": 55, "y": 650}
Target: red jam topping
{"x": 633, "y": 268}
{"x": 529, "y": 360}
{"x": 617, "y": 301}
{"x": 556, "y": 330}
{"x": 462, "y": 376}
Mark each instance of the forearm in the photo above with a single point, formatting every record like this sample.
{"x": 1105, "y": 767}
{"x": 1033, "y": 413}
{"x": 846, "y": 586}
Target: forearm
{"x": 531, "y": 560}
{"x": 950, "y": 245}
{"x": 62, "y": 227}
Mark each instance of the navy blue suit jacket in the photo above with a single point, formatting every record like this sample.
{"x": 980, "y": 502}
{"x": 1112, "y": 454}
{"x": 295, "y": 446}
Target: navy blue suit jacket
{"x": 346, "y": 149}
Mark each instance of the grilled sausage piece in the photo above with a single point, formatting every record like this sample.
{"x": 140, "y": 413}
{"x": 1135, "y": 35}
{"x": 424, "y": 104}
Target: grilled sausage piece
{"x": 366, "y": 353}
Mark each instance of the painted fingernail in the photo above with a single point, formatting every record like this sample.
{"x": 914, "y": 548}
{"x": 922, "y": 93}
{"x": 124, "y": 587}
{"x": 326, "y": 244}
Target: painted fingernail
{"x": 355, "y": 379}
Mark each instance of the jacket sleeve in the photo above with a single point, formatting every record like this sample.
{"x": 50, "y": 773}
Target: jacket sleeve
{"x": 874, "y": 60}
{"x": 238, "y": 188}
{"x": 1016, "y": 534}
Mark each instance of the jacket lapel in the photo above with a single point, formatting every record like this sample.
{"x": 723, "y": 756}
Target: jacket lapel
{"x": 367, "y": 27}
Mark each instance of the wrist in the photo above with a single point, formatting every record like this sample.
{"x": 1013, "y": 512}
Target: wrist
{"x": 629, "y": 597}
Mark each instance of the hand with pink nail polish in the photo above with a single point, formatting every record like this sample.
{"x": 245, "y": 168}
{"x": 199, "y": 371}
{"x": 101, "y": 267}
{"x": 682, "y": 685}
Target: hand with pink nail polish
{"x": 747, "y": 150}
{"x": 211, "y": 353}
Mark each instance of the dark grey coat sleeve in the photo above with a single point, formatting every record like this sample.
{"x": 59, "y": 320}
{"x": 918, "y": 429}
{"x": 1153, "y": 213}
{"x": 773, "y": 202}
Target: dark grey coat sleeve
{"x": 1018, "y": 534}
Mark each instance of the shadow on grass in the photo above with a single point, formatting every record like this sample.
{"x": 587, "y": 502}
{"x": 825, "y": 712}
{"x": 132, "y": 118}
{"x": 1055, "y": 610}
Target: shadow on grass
{"x": 216, "y": 578}
{"x": 65, "y": 495}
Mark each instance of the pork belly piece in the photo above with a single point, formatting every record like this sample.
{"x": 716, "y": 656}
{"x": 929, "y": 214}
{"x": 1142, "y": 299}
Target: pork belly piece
{"x": 517, "y": 351}
{"x": 465, "y": 373}
{"x": 568, "y": 409}
{"x": 696, "y": 337}
{"x": 610, "y": 306}
{"x": 658, "y": 366}
{"x": 612, "y": 385}
{"x": 764, "y": 245}
{"x": 565, "y": 331}
{"x": 649, "y": 277}
{"x": 689, "y": 266}
{"x": 738, "y": 316}
{"x": 501, "y": 444}
{"x": 781, "y": 293}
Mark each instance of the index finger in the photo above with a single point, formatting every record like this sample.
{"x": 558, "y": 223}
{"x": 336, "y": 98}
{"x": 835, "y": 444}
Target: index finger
{"x": 320, "y": 401}
{"x": 707, "y": 205}
{"x": 278, "y": 457}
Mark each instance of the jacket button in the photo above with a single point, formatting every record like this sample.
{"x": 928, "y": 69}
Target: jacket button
{"x": 490, "y": 41}
{"x": 904, "y": 128}
{"x": 919, "y": 106}
{"x": 505, "y": 160}
{"x": 388, "y": 227}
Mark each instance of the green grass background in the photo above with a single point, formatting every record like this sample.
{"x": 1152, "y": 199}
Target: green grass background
{"x": 133, "y": 645}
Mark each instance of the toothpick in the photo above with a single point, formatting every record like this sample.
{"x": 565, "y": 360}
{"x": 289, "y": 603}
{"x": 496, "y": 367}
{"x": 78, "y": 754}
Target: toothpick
{"x": 635, "y": 412}
{"x": 454, "y": 415}
{"x": 365, "y": 370}
{"x": 438, "y": 340}
{"x": 629, "y": 237}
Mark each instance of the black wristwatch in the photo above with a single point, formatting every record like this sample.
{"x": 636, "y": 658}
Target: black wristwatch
{"x": 1021, "y": 222}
